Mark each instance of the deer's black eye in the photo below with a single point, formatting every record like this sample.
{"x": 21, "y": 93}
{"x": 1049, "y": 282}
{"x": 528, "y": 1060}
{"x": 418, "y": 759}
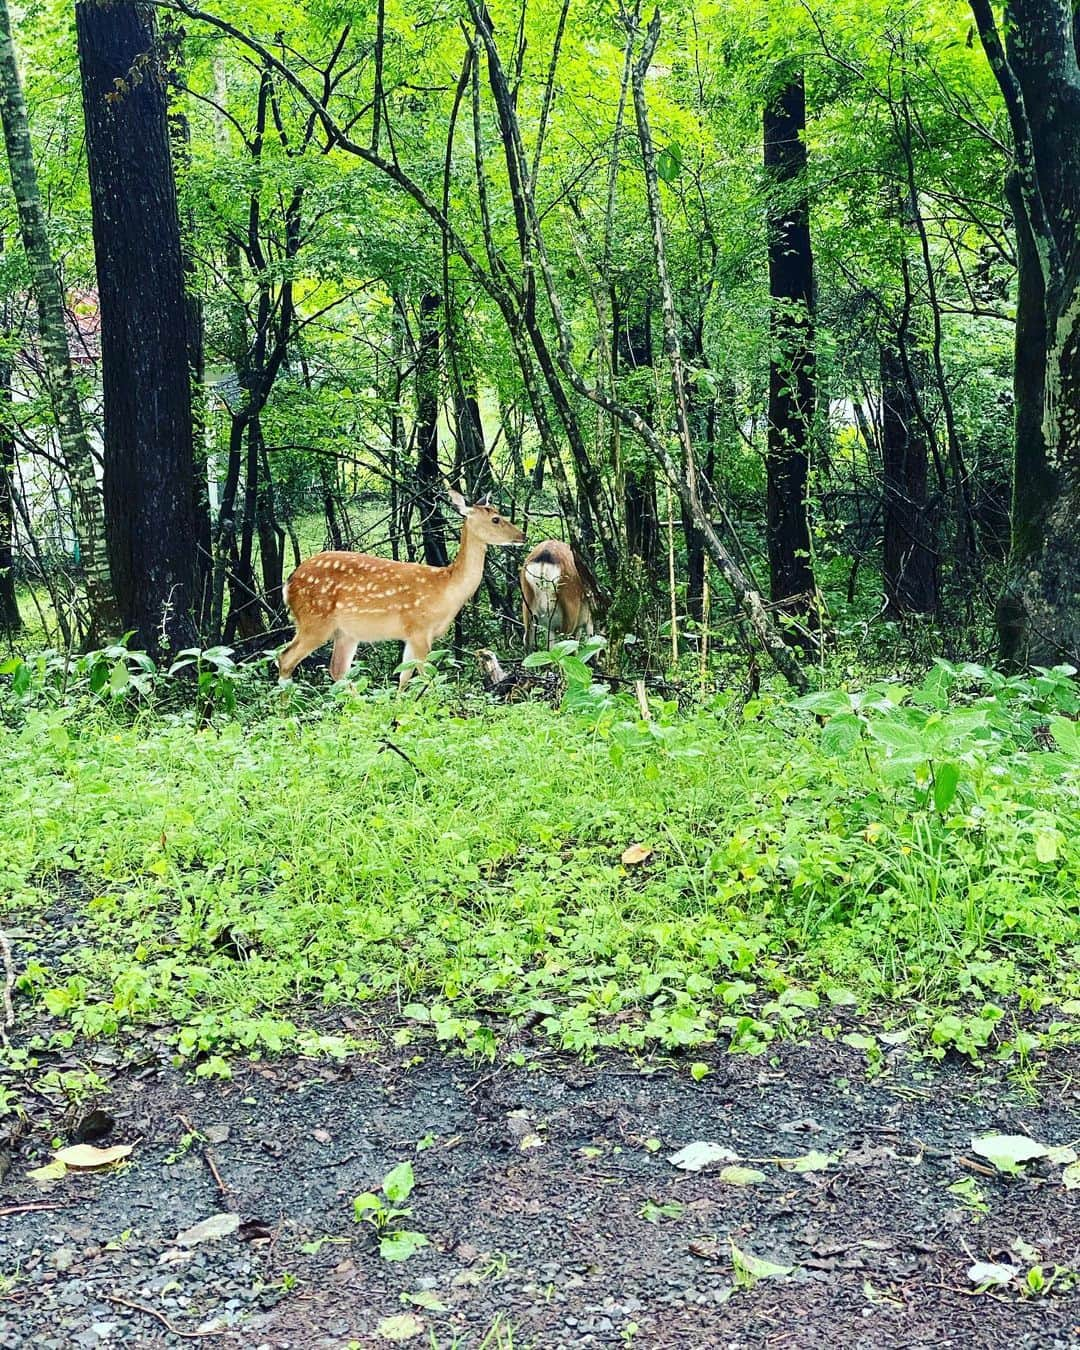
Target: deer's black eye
{"x": 496, "y": 520}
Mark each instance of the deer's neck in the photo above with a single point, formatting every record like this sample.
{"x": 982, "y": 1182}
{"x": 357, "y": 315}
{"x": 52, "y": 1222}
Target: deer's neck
{"x": 467, "y": 569}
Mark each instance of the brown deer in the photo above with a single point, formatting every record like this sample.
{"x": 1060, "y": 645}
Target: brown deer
{"x": 553, "y": 594}
{"x": 354, "y": 597}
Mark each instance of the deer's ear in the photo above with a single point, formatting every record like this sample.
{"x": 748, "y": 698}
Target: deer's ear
{"x": 458, "y": 501}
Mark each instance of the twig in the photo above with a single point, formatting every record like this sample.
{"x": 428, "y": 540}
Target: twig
{"x": 27, "y": 1209}
{"x": 153, "y": 1312}
{"x": 973, "y": 1166}
{"x": 385, "y": 743}
{"x": 208, "y": 1157}
{"x": 225, "y": 1192}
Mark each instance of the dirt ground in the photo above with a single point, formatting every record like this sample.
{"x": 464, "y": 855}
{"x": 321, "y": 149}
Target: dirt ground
{"x": 533, "y": 1188}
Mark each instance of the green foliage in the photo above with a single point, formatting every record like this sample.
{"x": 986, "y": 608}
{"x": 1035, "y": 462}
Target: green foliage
{"x": 221, "y": 878}
{"x": 384, "y": 1213}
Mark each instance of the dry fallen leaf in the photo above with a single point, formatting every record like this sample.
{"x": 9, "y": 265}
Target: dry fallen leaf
{"x": 636, "y": 854}
{"x": 216, "y": 1226}
{"x": 403, "y": 1327}
{"x": 85, "y": 1157}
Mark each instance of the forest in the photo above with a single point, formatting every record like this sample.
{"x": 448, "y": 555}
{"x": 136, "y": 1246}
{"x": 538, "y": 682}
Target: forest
{"x": 539, "y": 645}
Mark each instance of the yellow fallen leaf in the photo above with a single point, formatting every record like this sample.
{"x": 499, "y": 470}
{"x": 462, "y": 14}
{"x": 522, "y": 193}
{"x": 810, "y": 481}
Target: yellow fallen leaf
{"x": 636, "y": 854}
{"x": 85, "y": 1157}
{"x": 50, "y": 1172}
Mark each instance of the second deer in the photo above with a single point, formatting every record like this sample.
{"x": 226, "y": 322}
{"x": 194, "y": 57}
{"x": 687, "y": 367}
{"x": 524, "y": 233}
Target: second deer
{"x": 553, "y": 594}
{"x": 354, "y": 597}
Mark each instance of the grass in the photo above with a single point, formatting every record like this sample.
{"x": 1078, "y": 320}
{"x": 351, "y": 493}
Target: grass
{"x": 461, "y": 862}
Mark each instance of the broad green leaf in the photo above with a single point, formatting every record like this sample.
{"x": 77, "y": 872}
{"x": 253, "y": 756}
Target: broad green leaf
{"x": 398, "y": 1183}
{"x": 946, "y": 782}
{"x": 1008, "y": 1151}
{"x": 400, "y": 1246}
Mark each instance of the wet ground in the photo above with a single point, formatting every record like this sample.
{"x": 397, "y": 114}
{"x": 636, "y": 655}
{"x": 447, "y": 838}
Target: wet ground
{"x": 552, "y": 1213}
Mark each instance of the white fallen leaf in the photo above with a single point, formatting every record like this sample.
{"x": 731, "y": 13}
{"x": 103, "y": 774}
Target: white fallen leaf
{"x": 991, "y": 1272}
{"x": 636, "y": 854}
{"x": 530, "y": 1141}
{"x": 208, "y": 1230}
{"x": 1061, "y": 1155}
{"x": 85, "y": 1157}
{"x": 1008, "y": 1151}
{"x": 700, "y": 1154}
{"x": 1070, "y": 1178}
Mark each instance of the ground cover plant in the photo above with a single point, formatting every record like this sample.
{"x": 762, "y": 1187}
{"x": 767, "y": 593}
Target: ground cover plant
{"x": 743, "y": 871}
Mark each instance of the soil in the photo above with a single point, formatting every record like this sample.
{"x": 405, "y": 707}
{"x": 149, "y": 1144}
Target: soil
{"x": 532, "y": 1186}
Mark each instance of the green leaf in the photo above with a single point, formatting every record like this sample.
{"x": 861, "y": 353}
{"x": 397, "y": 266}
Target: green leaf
{"x": 750, "y": 1268}
{"x": 841, "y": 734}
{"x": 400, "y": 1246}
{"x": 741, "y": 1176}
{"x": 1008, "y": 1151}
{"x": 1046, "y": 845}
{"x": 366, "y": 1204}
{"x": 669, "y": 163}
{"x": 398, "y": 1183}
{"x": 653, "y": 1212}
{"x": 825, "y": 702}
{"x": 946, "y": 781}
{"x": 814, "y": 1161}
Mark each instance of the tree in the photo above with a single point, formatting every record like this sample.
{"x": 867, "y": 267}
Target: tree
{"x": 10, "y": 619}
{"x": 792, "y": 388}
{"x": 910, "y": 556}
{"x": 149, "y": 465}
{"x": 1038, "y": 72}
{"x": 64, "y": 396}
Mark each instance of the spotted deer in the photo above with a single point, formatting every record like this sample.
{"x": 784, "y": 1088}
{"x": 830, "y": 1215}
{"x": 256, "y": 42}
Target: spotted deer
{"x": 553, "y": 594}
{"x": 354, "y": 597}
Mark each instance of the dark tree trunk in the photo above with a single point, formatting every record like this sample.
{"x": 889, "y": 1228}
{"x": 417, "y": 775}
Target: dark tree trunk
{"x": 910, "y": 555}
{"x": 180, "y": 132}
{"x": 792, "y": 391}
{"x": 428, "y": 485}
{"x": 149, "y": 481}
{"x": 633, "y": 351}
{"x": 1038, "y": 72}
{"x": 1035, "y": 481}
{"x": 10, "y": 619}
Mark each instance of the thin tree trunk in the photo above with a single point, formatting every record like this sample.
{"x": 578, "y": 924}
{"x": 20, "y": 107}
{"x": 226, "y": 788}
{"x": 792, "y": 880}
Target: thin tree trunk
{"x": 10, "y": 619}
{"x": 792, "y": 388}
{"x": 429, "y": 492}
{"x": 87, "y": 508}
{"x": 149, "y": 476}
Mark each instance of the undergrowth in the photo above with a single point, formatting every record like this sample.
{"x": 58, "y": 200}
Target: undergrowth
{"x": 910, "y": 852}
